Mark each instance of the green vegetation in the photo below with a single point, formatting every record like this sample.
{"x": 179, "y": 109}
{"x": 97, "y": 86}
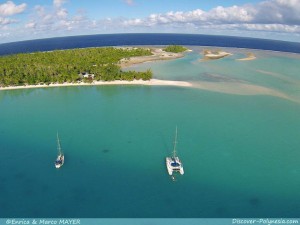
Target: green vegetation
{"x": 175, "y": 48}
{"x": 69, "y": 66}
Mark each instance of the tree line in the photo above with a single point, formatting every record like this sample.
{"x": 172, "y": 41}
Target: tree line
{"x": 175, "y": 48}
{"x": 61, "y": 66}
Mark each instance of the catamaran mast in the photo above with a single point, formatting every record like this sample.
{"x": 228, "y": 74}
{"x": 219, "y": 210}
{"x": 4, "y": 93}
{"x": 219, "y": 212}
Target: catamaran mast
{"x": 175, "y": 142}
{"x": 58, "y": 145}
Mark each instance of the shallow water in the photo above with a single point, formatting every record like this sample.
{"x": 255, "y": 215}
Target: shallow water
{"x": 272, "y": 73}
{"x": 240, "y": 151}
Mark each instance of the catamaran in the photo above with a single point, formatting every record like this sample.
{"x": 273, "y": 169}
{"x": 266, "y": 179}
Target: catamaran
{"x": 173, "y": 163}
{"x": 60, "y": 158}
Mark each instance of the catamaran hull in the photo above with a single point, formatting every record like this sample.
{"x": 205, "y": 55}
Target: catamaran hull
{"x": 59, "y": 161}
{"x": 57, "y": 166}
{"x": 171, "y": 168}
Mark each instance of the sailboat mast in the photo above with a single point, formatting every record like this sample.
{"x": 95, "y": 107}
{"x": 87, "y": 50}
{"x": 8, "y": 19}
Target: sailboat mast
{"x": 58, "y": 145}
{"x": 175, "y": 142}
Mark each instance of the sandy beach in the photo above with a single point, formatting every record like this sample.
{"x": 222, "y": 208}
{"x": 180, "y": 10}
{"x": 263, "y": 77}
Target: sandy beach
{"x": 154, "y": 82}
{"x": 158, "y": 54}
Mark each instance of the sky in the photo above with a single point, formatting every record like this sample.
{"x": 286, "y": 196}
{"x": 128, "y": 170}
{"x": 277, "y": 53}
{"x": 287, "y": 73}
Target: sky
{"x": 35, "y": 19}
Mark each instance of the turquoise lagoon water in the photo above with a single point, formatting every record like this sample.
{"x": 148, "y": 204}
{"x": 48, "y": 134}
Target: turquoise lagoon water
{"x": 240, "y": 150}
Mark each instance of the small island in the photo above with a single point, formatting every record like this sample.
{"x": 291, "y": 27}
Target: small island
{"x": 175, "y": 49}
{"x": 72, "y": 66}
{"x": 78, "y": 66}
{"x": 218, "y": 54}
{"x": 156, "y": 54}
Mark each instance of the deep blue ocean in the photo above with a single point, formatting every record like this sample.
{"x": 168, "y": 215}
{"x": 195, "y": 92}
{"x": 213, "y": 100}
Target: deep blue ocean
{"x": 145, "y": 39}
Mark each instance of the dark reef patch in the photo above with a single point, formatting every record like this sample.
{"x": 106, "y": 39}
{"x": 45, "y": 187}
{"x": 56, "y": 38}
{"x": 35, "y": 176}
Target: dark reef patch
{"x": 217, "y": 78}
{"x": 254, "y": 201}
{"x": 105, "y": 150}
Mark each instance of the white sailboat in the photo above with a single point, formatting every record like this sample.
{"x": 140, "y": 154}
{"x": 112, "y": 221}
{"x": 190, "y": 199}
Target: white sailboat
{"x": 173, "y": 163}
{"x": 60, "y": 158}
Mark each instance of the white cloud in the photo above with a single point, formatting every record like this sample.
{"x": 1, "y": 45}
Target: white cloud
{"x": 30, "y": 25}
{"x": 6, "y": 21}
{"x": 270, "y": 15}
{"x": 272, "y": 27}
{"x": 56, "y": 20}
{"x": 40, "y": 10}
{"x": 50, "y": 18}
{"x": 232, "y": 14}
{"x": 4, "y": 35}
{"x": 9, "y": 8}
{"x": 59, "y": 3}
{"x": 278, "y": 11}
{"x": 62, "y": 13}
{"x": 264, "y": 18}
